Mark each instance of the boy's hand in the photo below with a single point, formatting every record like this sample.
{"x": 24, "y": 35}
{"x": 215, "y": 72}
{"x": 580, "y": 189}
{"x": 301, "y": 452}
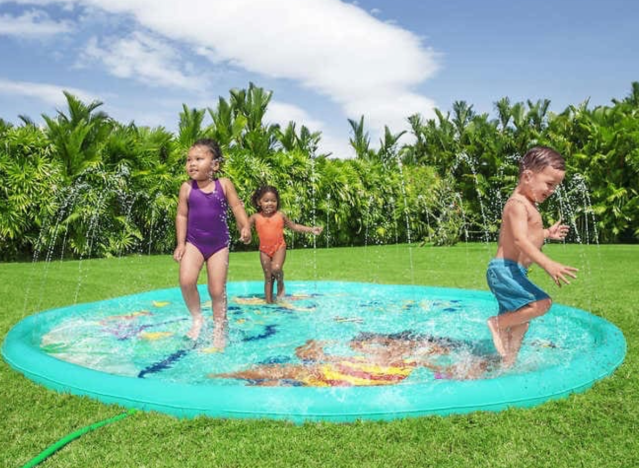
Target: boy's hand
{"x": 179, "y": 252}
{"x": 245, "y": 235}
{"x": 558, "y": 272}
{"x": 317, "y": 230}
{"x": 557, "y": 231}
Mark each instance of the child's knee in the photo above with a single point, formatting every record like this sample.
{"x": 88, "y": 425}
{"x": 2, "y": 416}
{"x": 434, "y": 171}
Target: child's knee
{"x": 188, "y": 283}
{"x": 544, "y": 305}
{"x": 217, "y": 292}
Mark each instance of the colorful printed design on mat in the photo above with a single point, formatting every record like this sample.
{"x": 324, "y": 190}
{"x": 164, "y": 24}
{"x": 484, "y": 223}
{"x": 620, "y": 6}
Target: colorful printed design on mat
{"x": 333, "y": 339}
{"x": 381, "y": 359}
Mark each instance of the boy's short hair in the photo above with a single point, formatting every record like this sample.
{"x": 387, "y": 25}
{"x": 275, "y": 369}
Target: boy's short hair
{"x": 538, "y": 158}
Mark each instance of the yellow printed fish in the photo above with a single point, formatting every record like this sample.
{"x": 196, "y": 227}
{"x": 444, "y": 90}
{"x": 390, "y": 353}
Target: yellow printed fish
{"x": 130, "y": 316}
{"x": 152, "y": 336}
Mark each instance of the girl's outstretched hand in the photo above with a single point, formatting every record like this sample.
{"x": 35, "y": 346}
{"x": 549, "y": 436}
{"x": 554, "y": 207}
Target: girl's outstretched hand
{"x": 317, "y": 230}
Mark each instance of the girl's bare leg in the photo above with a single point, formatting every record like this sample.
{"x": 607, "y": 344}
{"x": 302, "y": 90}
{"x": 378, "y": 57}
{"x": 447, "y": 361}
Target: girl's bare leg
{"x": 217, "y": 269}
{"x": 278, "y": 273}
{"x": 190, "y": 267}
{"x": 265, "y": 260}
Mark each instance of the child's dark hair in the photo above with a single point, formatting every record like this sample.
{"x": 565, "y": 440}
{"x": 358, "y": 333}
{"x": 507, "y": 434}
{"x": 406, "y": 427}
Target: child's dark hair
{"x": 538, "y": 158}
{"x": 211, "y": 145}
{"x": 260, "y": 192}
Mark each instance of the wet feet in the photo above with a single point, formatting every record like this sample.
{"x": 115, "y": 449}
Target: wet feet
{"x": 219, "y": 340}
{"x": 508, "y": 361}
{"x": 196, "y": 327}
{"x": 500, "y": 337}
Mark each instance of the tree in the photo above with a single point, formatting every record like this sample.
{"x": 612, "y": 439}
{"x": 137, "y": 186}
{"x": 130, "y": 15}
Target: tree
{"x": 79, "y": 136}
{"x": 190, "y": 126}
{"x": 360, "y": 141}
{"x": 387, "y": 152}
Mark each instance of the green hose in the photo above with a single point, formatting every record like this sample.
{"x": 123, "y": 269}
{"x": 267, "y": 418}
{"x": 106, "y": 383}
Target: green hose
{"x": 51, "y": 449}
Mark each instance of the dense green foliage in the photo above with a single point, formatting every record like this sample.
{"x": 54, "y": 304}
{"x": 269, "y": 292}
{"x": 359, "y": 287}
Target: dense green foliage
{"x": 593, "y": 429}
{"x": 86, "y": 185}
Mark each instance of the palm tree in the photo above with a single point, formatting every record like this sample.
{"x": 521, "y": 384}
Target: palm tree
{"x": 412, "y": 154}
{"x": 79, "y": 136}
{"x": 504, "y": 112}
{"x": 633, "y": 98}
{"x": 4, "y": 125}
{"x": 26, "y": 120}
{"x": 288, "y": 137}
{"x": 537, "y": 114}
{"x": 29, "y": 182}
{"x": 360, "y": 141}
{"x": 190, "y": 126}
{"x": 308, "y": 142}
{"x": 227, "y": 126}
{"x": 462, "y": 115}
{"x": 252, "y": 106}
{"x": 388, "y": 145}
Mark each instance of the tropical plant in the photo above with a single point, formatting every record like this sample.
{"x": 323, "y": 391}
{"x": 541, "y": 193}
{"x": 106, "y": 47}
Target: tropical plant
{"x": 78, "y": 137}
{"x": 29, "y": 181}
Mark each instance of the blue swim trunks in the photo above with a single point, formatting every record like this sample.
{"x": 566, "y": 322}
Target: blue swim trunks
{"x": 508, "y": 281}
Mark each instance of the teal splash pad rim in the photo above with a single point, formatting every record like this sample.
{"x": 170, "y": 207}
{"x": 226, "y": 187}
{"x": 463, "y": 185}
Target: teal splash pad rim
{"x": 300, "y": 404}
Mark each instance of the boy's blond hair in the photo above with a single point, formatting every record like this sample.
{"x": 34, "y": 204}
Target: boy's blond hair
{"x": 538, "y": 158}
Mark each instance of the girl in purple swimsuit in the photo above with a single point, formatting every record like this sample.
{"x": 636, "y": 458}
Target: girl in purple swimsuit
{"x": 203, "y": 235}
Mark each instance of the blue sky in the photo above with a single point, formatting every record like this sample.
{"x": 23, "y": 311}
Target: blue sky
{"x": 325, "y": 60}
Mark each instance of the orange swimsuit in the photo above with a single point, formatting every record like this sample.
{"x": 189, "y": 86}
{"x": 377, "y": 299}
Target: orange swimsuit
{"x": 270, "y": 230}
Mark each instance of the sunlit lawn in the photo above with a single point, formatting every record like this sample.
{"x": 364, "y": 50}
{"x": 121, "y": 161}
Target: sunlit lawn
{"x": 594, "y": 429}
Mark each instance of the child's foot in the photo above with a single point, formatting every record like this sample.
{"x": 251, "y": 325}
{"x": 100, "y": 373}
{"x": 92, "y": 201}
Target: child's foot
{"x": 219, "y": 340}
{"x": 196, "y": 327}
{"x": 498, "y": 335}
{"x": 508, "y": 361}
{"x": 281, "y": 292}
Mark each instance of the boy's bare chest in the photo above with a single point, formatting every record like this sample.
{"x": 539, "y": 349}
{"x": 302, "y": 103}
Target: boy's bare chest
{"x": 534, "y": 220}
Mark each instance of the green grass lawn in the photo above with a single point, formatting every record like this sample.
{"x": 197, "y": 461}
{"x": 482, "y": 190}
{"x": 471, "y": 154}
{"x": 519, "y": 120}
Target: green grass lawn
{"x": 596, "y": 428}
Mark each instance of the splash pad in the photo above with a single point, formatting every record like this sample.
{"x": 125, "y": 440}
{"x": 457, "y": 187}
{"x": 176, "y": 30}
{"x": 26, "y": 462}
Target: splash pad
{"x": 332, "y": 351}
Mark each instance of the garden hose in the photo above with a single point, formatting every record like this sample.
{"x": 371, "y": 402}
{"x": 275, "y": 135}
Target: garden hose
{"x": 51, "y": 449}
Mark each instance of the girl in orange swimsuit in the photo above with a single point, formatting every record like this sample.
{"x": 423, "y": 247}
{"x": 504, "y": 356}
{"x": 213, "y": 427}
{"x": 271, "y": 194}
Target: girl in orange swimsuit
{"x": 269, "y": 223}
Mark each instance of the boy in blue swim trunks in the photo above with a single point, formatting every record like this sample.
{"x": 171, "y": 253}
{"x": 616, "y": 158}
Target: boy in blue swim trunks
{"x": 521, "y": 237}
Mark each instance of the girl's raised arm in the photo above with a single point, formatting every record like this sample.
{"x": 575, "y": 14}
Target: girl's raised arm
{"x": 300, "y": 227}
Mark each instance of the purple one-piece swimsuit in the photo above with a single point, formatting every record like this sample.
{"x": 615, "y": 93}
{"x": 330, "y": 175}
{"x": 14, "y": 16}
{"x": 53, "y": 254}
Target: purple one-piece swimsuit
{"x": 206, "y": 226}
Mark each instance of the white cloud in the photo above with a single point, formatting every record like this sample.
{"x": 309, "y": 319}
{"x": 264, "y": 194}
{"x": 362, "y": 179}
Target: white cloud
{"x": 390, "y": 108}
{"x": 282, "y": 113}
{"x": 336, "y": 49}
{"x": 39, "y": 2}
{"x": 144, "y": 58}
{"x": 32, "y": 24}
{"x": 49, "y": 93}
